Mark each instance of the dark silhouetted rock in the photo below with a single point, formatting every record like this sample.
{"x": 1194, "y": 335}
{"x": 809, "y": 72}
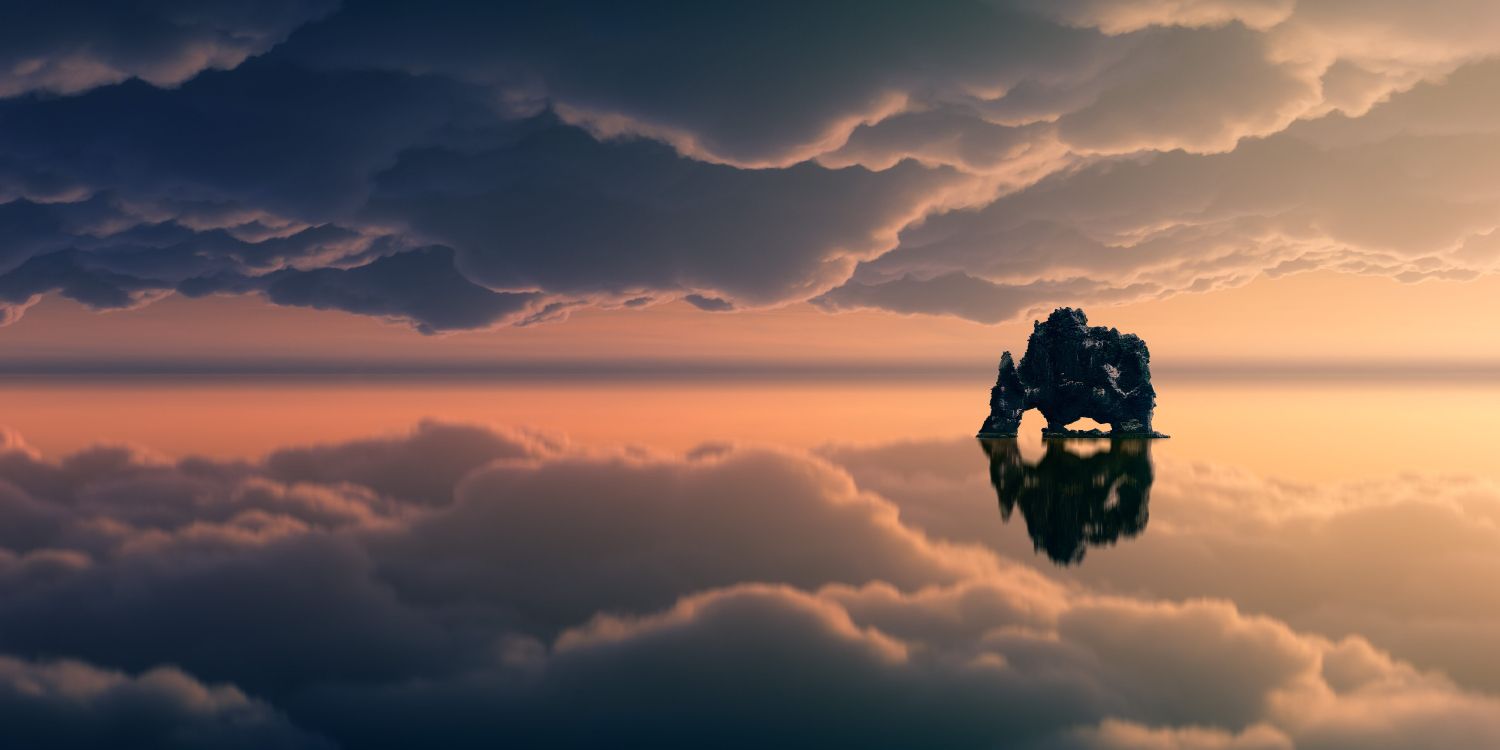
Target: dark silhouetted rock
{"x": 1072, "y": 501}
{"x": 1070, "y": 371}
{"x": 1007, "y": 401}
{"x": 1068, "y": 433}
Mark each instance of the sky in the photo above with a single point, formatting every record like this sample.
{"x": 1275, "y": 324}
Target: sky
{"x": 206, "y": 205}
{"x": 1235, "y": 180}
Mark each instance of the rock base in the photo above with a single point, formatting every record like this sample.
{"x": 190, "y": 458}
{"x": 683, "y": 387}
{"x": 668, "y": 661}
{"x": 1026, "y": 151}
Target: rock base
{"x": 1097, "y": 433}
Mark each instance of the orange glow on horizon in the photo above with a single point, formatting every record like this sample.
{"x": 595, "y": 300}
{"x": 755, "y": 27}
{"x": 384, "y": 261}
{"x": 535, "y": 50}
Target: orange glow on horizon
{"x": 1236, "y": 424}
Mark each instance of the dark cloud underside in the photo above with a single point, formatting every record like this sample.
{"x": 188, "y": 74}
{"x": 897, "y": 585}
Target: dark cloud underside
{"x": 464, "y": 165}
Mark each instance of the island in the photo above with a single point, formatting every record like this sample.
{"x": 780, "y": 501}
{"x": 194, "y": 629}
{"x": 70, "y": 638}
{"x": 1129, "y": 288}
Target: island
{"x": 1071, "y": 371}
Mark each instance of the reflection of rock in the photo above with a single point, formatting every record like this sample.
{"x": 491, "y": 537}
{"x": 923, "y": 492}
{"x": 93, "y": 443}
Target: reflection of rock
{"x": 1071, "y": 501}
{"x": 1071, "y": 371}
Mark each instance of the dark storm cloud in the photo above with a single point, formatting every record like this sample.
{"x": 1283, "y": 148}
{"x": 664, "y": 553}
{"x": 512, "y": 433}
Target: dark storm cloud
{"x": 964, "y": 296}
{"x": 710, "y": 304}
{"x": 67, "y": 46}
{"x": 555, "y": 209}
{"x": 421, "y": 286}
{"x": 262, "y": 139}
{"x": 64, "y": 273}
{"x": 69, "y": 704}
{"x": 292, "y": 184}
{"x": 592, "y": 154}
{"x": 755, "y": 84}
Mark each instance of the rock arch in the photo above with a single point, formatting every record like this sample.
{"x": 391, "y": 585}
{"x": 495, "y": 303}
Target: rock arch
{"x": 1072, "y": 370}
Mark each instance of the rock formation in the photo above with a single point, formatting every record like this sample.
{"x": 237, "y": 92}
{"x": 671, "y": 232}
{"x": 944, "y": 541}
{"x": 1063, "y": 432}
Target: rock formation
{"x": 1070, "y": 501}
{"x": 1071, "y": 371}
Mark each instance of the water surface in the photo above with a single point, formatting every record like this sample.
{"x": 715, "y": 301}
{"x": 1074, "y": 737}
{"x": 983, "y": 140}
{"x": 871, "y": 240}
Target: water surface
{"x": 386, "y": 563}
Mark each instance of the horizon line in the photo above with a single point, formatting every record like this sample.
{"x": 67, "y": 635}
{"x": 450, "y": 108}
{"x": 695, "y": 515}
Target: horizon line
{"x": 720, "y": 369}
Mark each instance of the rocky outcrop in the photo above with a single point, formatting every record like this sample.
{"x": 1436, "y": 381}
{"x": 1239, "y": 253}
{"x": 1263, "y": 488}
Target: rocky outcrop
{"x": 1072, "y": 502}
{"x": 1008, "y": 399}
{"x": 1070, "y": 371}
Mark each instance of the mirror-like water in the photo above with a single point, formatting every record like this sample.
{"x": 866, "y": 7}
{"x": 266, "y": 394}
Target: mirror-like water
{"x": 397, "y": 564}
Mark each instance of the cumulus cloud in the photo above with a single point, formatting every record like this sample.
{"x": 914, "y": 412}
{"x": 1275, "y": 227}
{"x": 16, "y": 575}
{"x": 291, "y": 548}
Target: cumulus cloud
{"x": 1122, "y": 735}
{"x": 1178, "y": 222}
{"x": 703, "y": 523}
{"x": 68, "y": 704}
{"x": 1317, "y": 557}
{"x": 68, "y": 47}
{"x": 410, "y": 198}
{"x": 1123, "y": 16}
{"x": 527, "y": 591}
{"x": 754, "y": 664}
{"x": 769, "y": 85}
{"x": 959, "y": 294}
{"x": 557, "y": 210}
{"x": 421, "y": 286}
{"x": 454, "y": 166}
{"x": 422, "y": 467}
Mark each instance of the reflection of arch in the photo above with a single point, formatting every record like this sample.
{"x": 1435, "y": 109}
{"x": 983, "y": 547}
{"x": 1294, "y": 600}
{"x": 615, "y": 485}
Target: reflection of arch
{"x": 1071, "y": 501}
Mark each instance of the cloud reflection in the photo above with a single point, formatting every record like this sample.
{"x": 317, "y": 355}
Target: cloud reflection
{"x": 532, "y": 593}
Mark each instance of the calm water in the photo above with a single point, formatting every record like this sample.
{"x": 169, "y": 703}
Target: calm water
{"x": 455, "y": 564}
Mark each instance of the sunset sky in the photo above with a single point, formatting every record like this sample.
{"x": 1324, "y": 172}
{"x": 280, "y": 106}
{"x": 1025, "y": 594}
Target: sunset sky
{"x": 1261, "y": 180}
{"x": 462, "y": 374}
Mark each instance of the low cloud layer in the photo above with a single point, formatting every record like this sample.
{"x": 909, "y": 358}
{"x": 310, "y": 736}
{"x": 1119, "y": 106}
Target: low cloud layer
{"x": 526, "y": 591}
{"x": 67, "y": 704}
{"x": 461, "y": 166}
